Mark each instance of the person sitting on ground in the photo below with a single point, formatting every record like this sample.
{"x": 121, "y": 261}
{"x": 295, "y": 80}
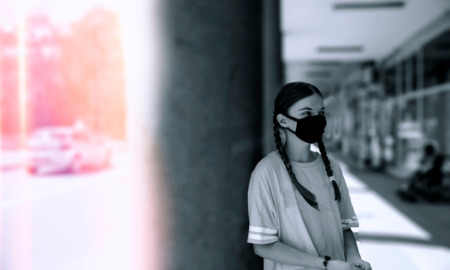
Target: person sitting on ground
{"x": 428, "y": 175}
{"x": 432, "y": 180}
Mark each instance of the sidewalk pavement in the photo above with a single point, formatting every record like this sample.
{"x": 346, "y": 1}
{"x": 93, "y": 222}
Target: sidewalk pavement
{"x": 388, "y": 237}
{"x": 11, "y": 159}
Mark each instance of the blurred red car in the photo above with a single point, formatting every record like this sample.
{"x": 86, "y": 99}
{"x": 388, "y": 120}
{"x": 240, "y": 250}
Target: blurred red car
{"x": 54, "y": 149}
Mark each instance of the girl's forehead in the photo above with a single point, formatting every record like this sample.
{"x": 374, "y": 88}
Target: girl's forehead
{"x": 314, "y": 102}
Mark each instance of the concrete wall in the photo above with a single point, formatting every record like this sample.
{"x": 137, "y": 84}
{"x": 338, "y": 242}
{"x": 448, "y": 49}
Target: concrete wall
{"x": 211, "y": 128}
{"x": 272, "y": 67}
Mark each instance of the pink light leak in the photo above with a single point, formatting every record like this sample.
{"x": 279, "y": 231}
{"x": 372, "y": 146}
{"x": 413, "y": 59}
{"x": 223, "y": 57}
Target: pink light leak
{"x": 71, "y": 75}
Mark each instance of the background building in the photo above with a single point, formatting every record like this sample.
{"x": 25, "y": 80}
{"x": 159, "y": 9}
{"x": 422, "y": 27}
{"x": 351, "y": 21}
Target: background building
{"x": 387, "y": 80}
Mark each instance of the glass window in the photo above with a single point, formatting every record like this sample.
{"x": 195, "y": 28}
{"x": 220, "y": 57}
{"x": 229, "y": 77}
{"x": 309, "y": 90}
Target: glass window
{"x": 414, "y": 73}
{"x": 404, "y": 76}
{"x": 437, "y": 60}
{"x": 389, "y": 82}
{"x": 410, "y": 112}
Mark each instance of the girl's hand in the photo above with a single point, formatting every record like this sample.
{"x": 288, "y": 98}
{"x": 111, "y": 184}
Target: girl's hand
{"x": 340, "y": 265}
{"x": 358, "y": 262}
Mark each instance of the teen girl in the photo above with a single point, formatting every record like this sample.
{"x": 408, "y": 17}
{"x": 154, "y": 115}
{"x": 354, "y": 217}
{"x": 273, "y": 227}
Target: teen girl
{"x": 299, "y": 206}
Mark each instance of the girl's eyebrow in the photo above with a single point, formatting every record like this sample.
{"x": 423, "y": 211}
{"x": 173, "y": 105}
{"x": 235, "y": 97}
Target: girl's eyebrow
{"x": 308, "y": 108}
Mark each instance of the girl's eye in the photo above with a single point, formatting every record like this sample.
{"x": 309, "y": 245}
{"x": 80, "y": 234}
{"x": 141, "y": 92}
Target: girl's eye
{"x": 307, "y": 113}
{"x": 322, "y": 113}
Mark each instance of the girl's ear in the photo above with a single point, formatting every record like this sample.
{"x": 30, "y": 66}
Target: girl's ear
{"x": 282, "y": 135}
{"x": 282, "y": 120}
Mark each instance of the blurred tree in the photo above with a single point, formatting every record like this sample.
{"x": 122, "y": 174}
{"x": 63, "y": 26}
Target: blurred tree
{"x": 8, "y": 82}
{"x": 93, "y": 72}
{"x": 45, "y": 93}
{"x": 73, "y": 73}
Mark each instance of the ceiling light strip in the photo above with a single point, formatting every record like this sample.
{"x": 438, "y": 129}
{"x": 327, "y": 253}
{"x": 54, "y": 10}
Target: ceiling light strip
{"x": 340, "y": 49}
{"x": 369, "y": 5}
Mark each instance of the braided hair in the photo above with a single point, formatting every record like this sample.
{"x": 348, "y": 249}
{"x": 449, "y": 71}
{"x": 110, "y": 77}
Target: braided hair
{"x": 288, "y": 95}
{"x": 326, "y": 161}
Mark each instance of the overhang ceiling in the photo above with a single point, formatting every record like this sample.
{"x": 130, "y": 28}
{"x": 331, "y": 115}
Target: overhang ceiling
{"x": 322, "y": 39}
{"x": 351, "y": 30}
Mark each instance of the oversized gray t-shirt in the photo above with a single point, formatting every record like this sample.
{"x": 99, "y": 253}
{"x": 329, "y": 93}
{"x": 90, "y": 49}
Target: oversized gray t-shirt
{"x": 277, "y": 212}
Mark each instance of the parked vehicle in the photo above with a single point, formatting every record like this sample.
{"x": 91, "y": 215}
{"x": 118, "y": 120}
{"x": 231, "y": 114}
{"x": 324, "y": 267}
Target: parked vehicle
{"x": 54, "y": 149}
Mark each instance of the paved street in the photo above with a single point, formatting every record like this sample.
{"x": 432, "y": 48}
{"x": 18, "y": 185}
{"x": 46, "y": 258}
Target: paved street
{"x": 65, "y": 221}
{"x": 73, "y": 222}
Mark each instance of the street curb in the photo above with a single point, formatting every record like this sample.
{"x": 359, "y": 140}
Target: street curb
{"x": 10, "y": 167}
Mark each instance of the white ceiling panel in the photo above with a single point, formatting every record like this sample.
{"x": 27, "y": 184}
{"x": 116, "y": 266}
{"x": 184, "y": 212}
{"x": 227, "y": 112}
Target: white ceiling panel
{"x": 308, "y": 25}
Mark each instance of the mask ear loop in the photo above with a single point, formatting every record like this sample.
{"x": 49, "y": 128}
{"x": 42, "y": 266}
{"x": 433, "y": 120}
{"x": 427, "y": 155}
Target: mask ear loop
{"x": 293, "y": 119}
{"x": 290, "y": 117}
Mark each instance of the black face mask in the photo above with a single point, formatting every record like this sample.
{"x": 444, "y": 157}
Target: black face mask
{"x": 309, "y": 129}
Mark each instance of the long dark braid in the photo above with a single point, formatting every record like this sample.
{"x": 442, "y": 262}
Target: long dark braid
{"x": 326, "y": 161}
{"x": 309, "y": 197}
{"x": 287, "y": 96}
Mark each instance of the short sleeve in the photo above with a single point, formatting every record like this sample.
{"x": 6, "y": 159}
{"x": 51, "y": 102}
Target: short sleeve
{"x": 348, "y": 216}
{"x": 263, "y": 227}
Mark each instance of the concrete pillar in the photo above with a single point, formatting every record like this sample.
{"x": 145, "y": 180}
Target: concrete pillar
{"x": 272, "y": 67}
{"x": 399, "y": 110}
{"x": 420, "y": 85}
{"x": 210, "y": 128}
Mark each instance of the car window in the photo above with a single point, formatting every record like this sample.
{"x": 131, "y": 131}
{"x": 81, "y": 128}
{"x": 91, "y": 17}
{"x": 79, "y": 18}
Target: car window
{"x": 59, "y": 136}
{"x": 81, "y": 136}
